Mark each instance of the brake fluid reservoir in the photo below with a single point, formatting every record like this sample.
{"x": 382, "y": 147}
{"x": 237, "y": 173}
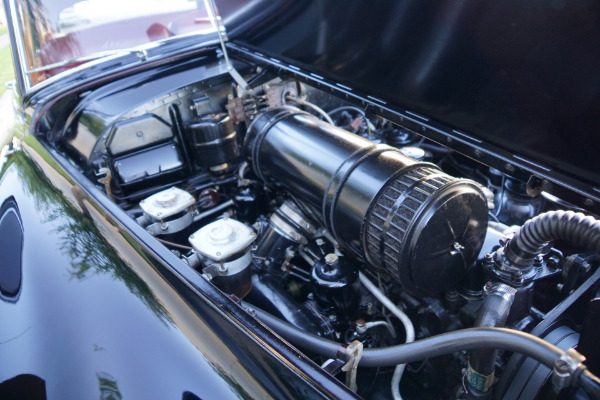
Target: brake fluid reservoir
{"x": 224, "y": 246}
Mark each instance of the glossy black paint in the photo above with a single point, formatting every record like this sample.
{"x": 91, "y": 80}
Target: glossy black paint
{"x": 99, "y": 312}
{"x": 519, "y": 77}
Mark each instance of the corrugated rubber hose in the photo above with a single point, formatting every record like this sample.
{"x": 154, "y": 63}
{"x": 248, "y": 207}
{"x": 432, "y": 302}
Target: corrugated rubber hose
{"x": 529, "y": 241}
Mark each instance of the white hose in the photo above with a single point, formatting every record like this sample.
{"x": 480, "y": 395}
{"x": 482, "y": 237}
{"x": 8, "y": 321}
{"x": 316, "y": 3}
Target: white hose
{"x": 408, "y": 327}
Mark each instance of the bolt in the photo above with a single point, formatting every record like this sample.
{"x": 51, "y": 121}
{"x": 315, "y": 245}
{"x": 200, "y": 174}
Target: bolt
{"x": 561, "y": 366}
{"x": 489, "y": 285}
{"x": 360, "y": 326}
{"x": 218, "y": 253}
{"x": 457, "y": 248}
{"x": 516, "y": 277}
{"x": 538, "y": 259}
{"x": 553, "y": 262}
{"x": 488, "y": 257}
{"x": 331, "y": 258}
{"x": 139, "y": 134}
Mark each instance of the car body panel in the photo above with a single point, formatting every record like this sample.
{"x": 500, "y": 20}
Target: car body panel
{"x": 519, "y": 79}
{"x": 103, "y": 307}
{"x": 97, "y": 313}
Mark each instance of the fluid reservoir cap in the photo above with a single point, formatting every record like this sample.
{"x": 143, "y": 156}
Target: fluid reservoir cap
{"x": 222, "y": 233}
{"x": 222, "y": 239}
{"x": 414, "y": 152}
{"x": 167, "y": 203}
{"x": 166, "y": 198}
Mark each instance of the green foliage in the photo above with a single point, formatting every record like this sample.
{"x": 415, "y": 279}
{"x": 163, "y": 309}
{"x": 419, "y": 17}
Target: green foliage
{"x": 7, "y": 71}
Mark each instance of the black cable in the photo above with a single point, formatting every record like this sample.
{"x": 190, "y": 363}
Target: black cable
{"x": 590, "y": 383}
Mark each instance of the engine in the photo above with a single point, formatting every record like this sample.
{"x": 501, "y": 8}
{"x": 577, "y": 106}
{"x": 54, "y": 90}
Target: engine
{"x": 334, "y": 225}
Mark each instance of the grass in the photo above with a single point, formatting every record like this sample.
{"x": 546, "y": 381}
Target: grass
{"x": 3, "y": 30}
{"x": 7, "y": 71}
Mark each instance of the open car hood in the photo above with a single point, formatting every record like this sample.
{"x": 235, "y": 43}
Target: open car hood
{"x": 518, "y": 78}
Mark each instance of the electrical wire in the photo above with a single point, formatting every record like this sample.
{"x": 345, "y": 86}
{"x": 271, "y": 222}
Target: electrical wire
{"x": 370, "y": 126}
{"x": 346, "y": 108}
{"x": 312, "y": 106}
{"x": 408, "y": 327}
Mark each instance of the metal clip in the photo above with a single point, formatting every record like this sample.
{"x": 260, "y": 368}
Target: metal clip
{"x": 354, "y": 352}
{"x": 565, "y": 369}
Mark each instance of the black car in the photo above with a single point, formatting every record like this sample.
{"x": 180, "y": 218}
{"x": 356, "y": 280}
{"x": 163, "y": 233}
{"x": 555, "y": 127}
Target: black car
{"x": 301, "y": 199}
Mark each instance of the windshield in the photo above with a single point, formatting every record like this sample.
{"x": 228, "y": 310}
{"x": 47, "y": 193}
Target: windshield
{"x": 61, "y": 34}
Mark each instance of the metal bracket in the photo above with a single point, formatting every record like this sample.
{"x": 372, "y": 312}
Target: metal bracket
{"x": 172, "y": 226}
{"x": 212, "y": 14}
{"x": 354, "y": 352}
{"x": 566, "y": 368}
{"x": 332, "y": 366}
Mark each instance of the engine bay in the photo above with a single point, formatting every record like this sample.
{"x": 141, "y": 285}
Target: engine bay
{"x": 325, "y": 217}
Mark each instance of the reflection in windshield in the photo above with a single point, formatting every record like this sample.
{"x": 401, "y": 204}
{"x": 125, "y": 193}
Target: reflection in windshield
{"x": 62, "y": 34}
{"x": 89, "y": 13}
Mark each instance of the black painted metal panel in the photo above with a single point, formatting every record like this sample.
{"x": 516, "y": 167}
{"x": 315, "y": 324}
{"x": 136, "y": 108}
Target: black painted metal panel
{"x": 522, "y": 76}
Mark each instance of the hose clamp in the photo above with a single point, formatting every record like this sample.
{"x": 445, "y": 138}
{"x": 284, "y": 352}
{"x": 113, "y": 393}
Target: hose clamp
{"x": 353, "y": 355}
{"x": 567, "y": 369}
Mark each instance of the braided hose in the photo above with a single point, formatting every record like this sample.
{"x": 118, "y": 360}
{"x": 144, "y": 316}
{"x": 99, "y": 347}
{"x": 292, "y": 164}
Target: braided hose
{"x": 535, "y": 234}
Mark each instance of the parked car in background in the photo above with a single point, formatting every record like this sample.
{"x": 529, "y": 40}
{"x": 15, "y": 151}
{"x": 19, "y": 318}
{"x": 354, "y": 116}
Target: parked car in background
{"x": 301, "y": 199}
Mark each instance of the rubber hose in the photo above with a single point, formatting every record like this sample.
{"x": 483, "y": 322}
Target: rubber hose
{"x": 591, "y": 384}
{"x": 492, "y": 314}
{"x": 445, "y": 343}
{"x": 529, "y": 241}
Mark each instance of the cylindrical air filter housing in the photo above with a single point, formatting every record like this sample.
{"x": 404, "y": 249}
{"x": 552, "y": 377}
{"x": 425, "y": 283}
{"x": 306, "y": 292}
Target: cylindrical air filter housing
{"x": 408, "y": 218}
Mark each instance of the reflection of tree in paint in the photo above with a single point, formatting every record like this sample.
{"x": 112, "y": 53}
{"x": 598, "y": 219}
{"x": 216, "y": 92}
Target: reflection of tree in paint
{"x": 109, "y": 389}
{"x": 80, "y": 239}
